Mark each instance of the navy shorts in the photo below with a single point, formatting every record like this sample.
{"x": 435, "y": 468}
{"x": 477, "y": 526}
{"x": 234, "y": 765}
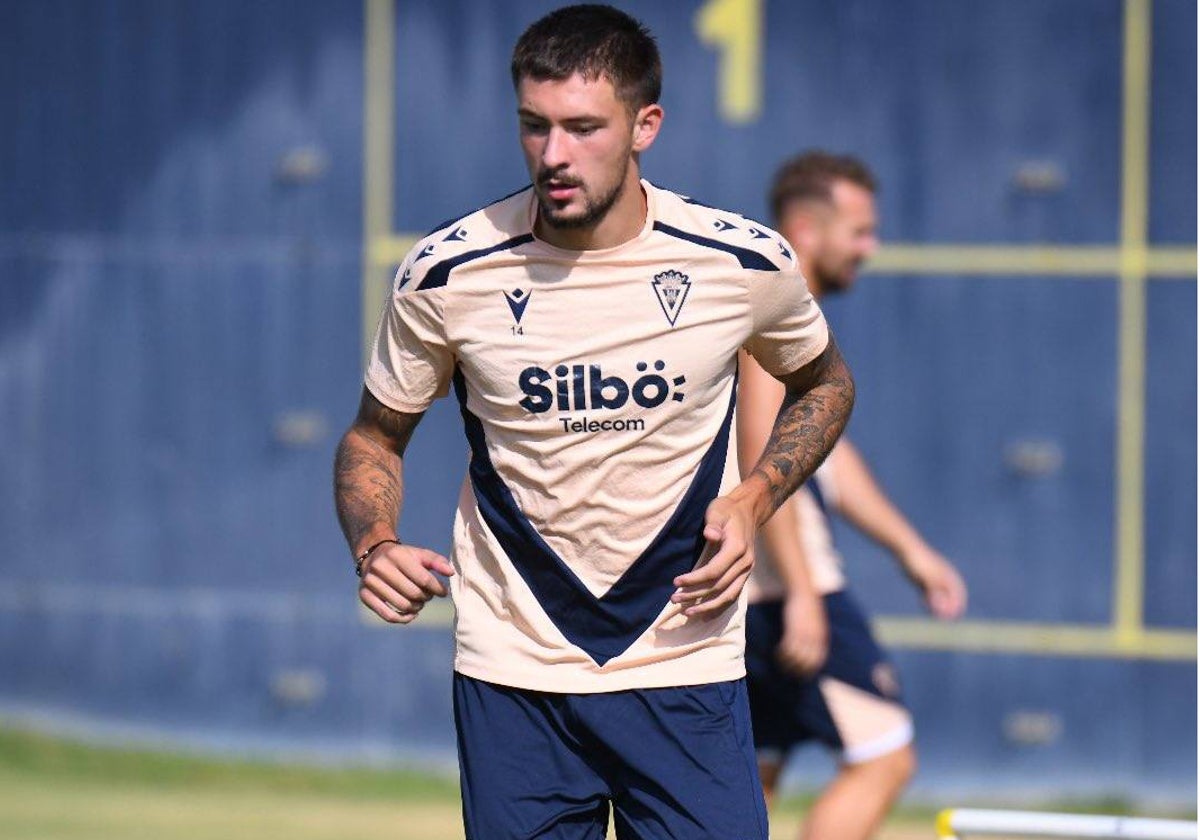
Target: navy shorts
{"x": 675, "y": 763}
{"x": 853, "y": 704}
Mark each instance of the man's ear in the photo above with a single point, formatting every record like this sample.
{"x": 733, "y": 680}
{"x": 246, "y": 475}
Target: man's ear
{"x": 646, "y": 123}
{"x": 802, "y": 224}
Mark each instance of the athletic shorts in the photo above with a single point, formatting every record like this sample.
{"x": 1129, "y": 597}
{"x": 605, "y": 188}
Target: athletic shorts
{"x": 853, "y": 705}
{"x": 675, "y": 763}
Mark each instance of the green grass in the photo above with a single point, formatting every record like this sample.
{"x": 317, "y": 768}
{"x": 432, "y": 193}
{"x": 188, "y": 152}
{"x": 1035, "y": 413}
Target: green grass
{"x": 30, "y": 755}
{"x": 57, "y": 789}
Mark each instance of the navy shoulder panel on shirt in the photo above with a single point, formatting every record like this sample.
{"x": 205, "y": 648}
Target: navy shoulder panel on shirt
{"x": 439, "y": 274}
{"x": 754, "y": 245}
{"x": 499, "y": 226}
{"x": 746, "y": 257}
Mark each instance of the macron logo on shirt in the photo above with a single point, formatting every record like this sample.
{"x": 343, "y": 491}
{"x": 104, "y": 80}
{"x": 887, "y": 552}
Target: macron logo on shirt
{"x": 517, "y": 299}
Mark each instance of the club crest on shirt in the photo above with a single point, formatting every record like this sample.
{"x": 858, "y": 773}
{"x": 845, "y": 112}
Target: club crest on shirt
{"x": 671, "y": 289}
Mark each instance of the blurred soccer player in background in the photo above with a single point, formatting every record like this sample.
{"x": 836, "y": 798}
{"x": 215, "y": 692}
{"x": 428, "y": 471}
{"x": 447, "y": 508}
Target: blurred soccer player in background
{"x": 814, "y": 670}
{"x": 590, "y": 326}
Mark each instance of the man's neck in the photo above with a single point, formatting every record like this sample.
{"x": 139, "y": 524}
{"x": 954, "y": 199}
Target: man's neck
{"x": 806, "y": 268}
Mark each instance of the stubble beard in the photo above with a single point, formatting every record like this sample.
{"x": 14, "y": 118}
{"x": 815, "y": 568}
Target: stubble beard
{"x": 594, "y": 209}
{"x": 836, "y": 280}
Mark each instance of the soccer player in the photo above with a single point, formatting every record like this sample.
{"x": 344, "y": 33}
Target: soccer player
{"x": 589, "y": 326}
{"x": 814, "y": 670}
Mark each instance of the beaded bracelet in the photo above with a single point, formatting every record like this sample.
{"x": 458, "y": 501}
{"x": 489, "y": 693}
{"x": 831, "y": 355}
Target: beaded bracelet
{"x": 362, "y": 558}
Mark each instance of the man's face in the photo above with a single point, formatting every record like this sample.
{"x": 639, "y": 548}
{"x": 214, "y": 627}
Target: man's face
{"x": 841, "y": 236}
{"x": 578, "y": 141}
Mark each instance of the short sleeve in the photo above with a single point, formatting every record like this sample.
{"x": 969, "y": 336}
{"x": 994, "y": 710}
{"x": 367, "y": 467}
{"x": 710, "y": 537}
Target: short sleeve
{"x": 788, "y": 328}
{"x": 411, "y": 363}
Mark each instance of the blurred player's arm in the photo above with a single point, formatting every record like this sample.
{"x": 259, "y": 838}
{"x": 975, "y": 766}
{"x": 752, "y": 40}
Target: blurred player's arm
{"x": 368, "y": 491}
{"x": 816, "y": 405}
{"x": 805, "y": 641}
{"x": 863, "y": 503}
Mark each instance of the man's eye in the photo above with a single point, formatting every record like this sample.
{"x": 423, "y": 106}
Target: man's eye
{"x": 584, "y": 130}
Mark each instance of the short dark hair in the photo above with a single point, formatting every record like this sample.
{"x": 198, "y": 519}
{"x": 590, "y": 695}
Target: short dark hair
{"x": 593, "y": 41}
{"x": 810, "y": 177}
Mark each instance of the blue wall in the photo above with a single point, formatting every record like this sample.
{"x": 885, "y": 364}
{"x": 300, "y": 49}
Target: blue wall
{"x": 180, "y": 345}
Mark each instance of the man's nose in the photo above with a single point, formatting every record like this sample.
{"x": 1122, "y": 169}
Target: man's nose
{"x": 554, "y": 153}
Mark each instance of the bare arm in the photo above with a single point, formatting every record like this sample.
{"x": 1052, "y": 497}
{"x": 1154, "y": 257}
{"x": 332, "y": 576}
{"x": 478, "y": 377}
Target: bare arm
{"x": 805, "y": 641}
{"x": 759, "y": 398}
{"x": 863, "y": 503}
{"x": 368, "y": 487}
{"x": 817, "y": 402}
{"x": 368, "y": 492}
{"x": 816, "y": 405}
{"x": 865, "y": 506}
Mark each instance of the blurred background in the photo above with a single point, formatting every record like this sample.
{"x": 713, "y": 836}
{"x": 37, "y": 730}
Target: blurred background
{"x": 202, "y": 201}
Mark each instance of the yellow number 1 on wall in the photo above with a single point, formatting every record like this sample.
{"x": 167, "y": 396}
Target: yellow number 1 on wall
{"x": 734, "y": 28}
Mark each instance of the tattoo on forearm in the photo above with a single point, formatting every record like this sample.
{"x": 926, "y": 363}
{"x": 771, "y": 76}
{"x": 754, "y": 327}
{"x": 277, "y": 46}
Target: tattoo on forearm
{"x": 366, "y": 485}
{"x": 368, "y": 489}
{"x": 814, "y": 413}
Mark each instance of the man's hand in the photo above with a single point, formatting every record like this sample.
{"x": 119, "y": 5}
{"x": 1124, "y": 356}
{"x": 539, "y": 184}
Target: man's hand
{"x": 805, "y": 642}
{"x": 715, "y": 584}
{"x": 397, "y": 580}
{"x": 940, "y": 583}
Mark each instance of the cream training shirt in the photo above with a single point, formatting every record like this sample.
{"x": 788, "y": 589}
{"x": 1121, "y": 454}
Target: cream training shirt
{"x": 597, "y": 392}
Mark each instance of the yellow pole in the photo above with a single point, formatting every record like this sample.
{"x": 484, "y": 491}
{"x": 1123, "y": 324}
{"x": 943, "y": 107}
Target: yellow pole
{"x": 379, "y": 114}
{"x": 1131, "y": 381}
